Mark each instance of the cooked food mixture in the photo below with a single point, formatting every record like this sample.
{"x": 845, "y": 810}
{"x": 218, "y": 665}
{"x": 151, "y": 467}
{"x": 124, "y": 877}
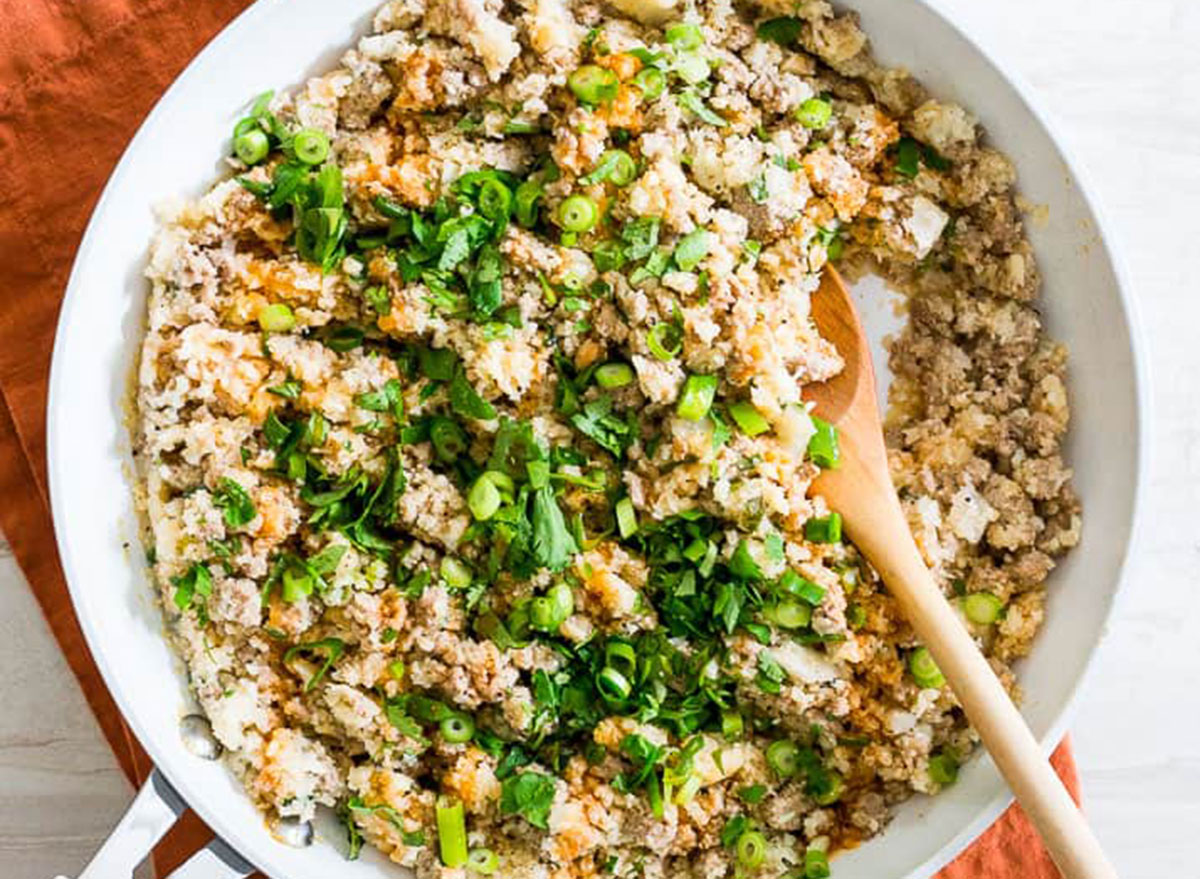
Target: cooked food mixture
{"x": 476, "y": 462}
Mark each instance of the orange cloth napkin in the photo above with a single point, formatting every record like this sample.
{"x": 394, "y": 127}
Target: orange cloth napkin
{"x": 76, "y": 79}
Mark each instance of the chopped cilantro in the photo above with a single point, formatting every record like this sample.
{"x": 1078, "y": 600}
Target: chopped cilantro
{"x": 598, "y": 422}
{"x": 784, "y": 30}
{"x": 552, "y": 542}
{"x": 235, "y": 503}
{"x": 530, "y": 795}
{"x": 752, "y": 794}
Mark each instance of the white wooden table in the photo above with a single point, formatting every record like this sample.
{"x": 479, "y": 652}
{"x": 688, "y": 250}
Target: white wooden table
{"x": 1123, "y": 79}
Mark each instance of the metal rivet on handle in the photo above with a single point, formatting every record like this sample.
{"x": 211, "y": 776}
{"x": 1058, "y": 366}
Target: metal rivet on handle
{"x": 198, "y": 738}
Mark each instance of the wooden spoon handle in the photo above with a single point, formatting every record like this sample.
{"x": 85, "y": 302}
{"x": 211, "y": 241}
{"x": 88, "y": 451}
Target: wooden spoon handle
{"x": 882, "y": 535}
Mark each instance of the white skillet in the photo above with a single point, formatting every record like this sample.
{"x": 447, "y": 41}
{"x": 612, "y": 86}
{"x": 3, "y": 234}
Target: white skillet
{"x": 177, "y": 152}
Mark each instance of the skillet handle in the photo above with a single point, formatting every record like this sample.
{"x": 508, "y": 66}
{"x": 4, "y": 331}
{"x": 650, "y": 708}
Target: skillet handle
{"x": 215, "y": 861}
{"x": 156, "y": 807}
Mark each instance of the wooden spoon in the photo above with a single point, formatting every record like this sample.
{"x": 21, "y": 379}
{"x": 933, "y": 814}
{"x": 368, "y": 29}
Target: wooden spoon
{"x": 861, "y": 490}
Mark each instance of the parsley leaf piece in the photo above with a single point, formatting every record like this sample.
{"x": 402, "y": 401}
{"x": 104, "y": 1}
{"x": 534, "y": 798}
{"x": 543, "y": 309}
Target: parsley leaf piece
{"x": 599, "y": 423}
{"x": 457, "y": 248}
{"x": 235, "y": 503}
{"x": 326, "y": 561}
{"x": 330, "y": 649}
{"x": 379, "y": 299}
{"x": 742, "y": 564}
{"x": 484, "y": 290}
{"x": 553, "y": 544}
{"x": 386, "y": 399}
{"x": 530, "y": 795}
{"x": 515, "y": 446}
{"x": 733, "y": 829}
{"x": 727, "y": 605}
{"x": 784, "y": 30}
{"x": 641, "y": 237}
{"x": 193, "y": 589}
{"x": 770, "y": 673}
{"x": 289, "y": 390}
{"x": 465, "y": 400}
{"x": 752, "y": 794}
{"x": 437, "y": 364}
{"x": 908, "y": 158}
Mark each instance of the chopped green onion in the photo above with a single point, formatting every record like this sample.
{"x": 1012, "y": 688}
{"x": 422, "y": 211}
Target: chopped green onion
{"x": 608, "y": 255}
{"x": 816, "y": 863}
{"x": 691, "y": 101}
{"x": 393, "y": 210}
{"x": 824, "y": 530}
{"x": 697, "y": 397}
{"x": 732, "y": 725}
{"x": 457, "y": 728}
{"x": 924, "y": 670}
{"x": 748, "y": 419}
{"x": 789, "y": 614}
{"x": 246, "y": 123}
{"x": 613, "y": 375}
{"x": 578, "y": 213}
{"x": 784, "y": 757}
{"x": 943, "y": 768}
{"x": 664, "y": 341}
{"x": 612, "y": 684}
{"x": 691, "y": 248}
{"x": 621, "y": 656}
{"x": 801, "y": 588}
{"x": 814, "y": 113}
{"x": 651, "y": 82}
{"x": 616, "y": 166}
{"x": 684, "y": 35}
{"x": 691, "y": 68}
{"x": 695, "y": 550}
{"x": 564, "y": 600}
{"x": 831, "y": 792}
{"x": 823, "y": 446}
{"x": 448, "y": 439}
{"x": 311, "y": 146}
{"x": 856, "y": 616}
{"x": 452, "y": 832}
{"x": 593, "y": 85}
{"x": 624, "y": 170}
{"x": 296, "y": 585}
{"x": 983, "y": 608}
{"x": 455, "y": 573}
{"x": 495, "y": 200}
{"x": 483, "y": 861}
{"x": 396, "y": 669}
{"x": 551, "y": 610}
{"x": 277, "y": 318}
{"x": 627, "y": 523}
{"x": 751, "y": 849}
{"x": 541, "y": 614}
{"x": 528, "y": 195}
{"x": 483, "y": 500}
{"x": 688, "y": 790}
{"x": 252, "y": 146}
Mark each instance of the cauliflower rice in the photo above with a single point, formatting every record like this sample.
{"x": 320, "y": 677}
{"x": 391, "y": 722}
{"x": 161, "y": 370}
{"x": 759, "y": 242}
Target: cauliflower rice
{"x": 475, "y": 461}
